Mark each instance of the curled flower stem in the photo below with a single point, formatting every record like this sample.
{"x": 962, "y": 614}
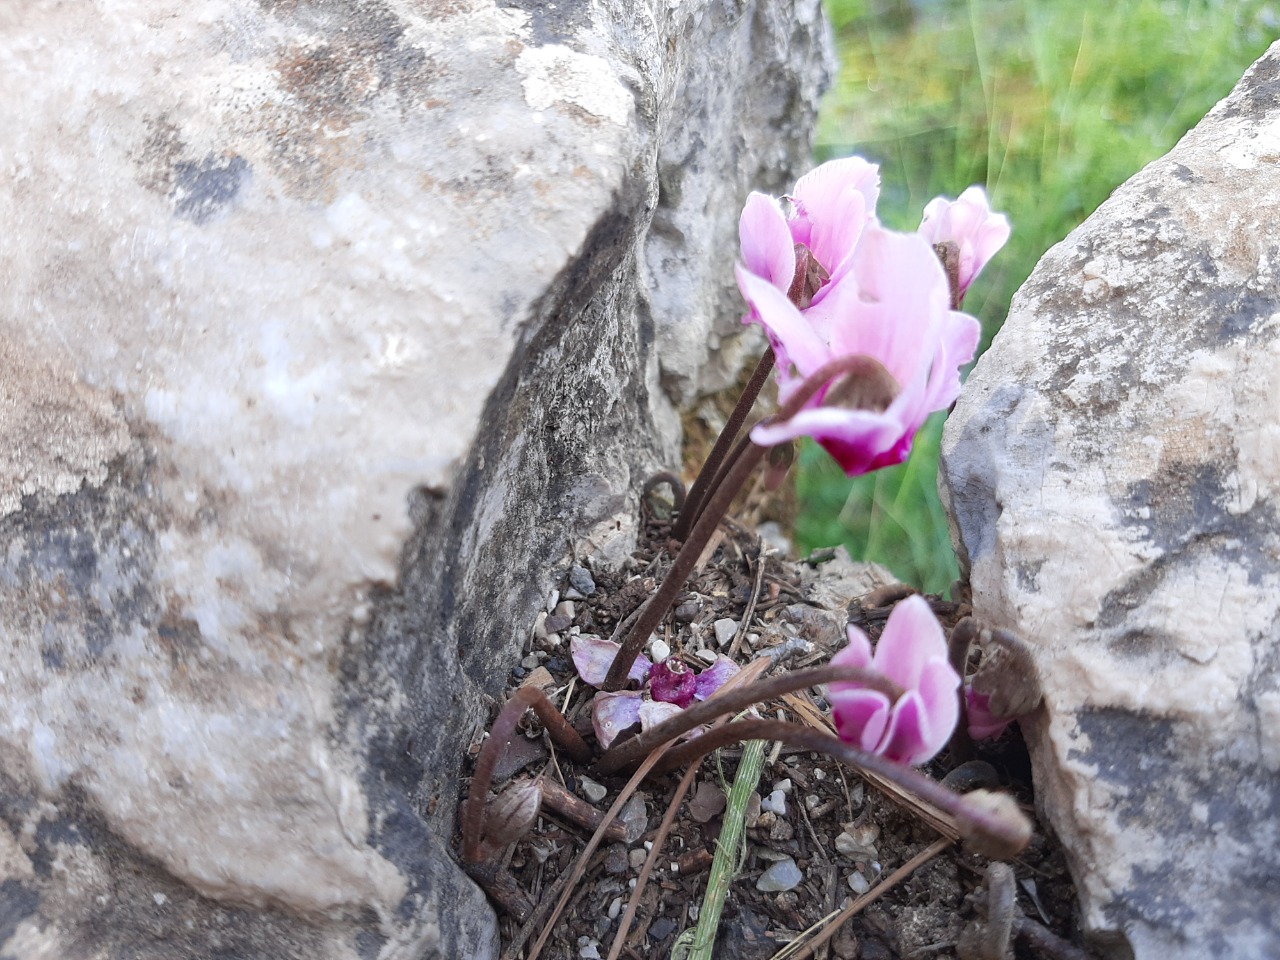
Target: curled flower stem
{"x": 724, "y": 443}
{"x": 962, "y": 636}
{"x": 977, "y": 822}
{"x": 747, "y": 457}
{"x": 734, "y": 701}
{"x": 475, "y": 810}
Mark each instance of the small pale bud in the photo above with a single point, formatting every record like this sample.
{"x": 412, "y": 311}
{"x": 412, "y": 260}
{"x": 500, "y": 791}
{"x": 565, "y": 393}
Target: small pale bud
{"x": 993, "y": 825}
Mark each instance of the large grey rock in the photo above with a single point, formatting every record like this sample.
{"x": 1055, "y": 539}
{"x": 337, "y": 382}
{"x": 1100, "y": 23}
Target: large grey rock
{"x": 325, "y": 325}
{"x": 1113, "y": 470}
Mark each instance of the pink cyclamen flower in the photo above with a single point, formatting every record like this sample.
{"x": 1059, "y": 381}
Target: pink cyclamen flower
{"x": 912, "y": 652}
{"x": 983, "y": 724}
{"x": 827, "y": 212}
{"x": 892, "y": 303}
{"x": 968, "y": 223}
{"x": 669, "y": 687}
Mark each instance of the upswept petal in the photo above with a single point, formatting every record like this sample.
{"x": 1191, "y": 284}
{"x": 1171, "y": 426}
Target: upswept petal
{"x": 593, "y": 656}
{"x": 983, "y": 724}
{"x": 905, "y": 737}
{"x": 860, "y": 716}
{"x": 911, "y": 639}
{"x": 825, "y": 204}
{"x": 857, "y": 654}
{"x": 800, "y": 345}
{"x": 959, "y": 342}
{"x": 768, "y": 250}
{"x": 939, "y": 687}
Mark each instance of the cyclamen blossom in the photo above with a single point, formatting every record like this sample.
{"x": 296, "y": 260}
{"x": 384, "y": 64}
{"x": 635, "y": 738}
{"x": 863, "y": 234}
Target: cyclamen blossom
{"x": 912, "y": 652}
{"x": 670, "y": 686}
{"x": 968, "y": 223}
{"x": 892, "y": 304}
{"x": 983, "y": 724}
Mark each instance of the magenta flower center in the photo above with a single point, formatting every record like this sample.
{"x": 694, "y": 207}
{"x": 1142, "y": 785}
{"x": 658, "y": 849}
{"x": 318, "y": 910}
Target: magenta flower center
{"x": 672, "y": 682}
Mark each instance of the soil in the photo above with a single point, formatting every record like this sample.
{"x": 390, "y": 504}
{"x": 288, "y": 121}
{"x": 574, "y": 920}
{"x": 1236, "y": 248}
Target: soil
{"x": 935, "y": 912}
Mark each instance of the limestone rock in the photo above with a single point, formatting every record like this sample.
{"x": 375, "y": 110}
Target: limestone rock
{"x": 325, "y": 325}
{"x": 1113, "y": 470}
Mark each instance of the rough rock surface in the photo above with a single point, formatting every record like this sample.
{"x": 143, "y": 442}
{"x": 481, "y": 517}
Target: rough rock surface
{"x": 325, "y": 325}
{"x": 1113, "y": 470}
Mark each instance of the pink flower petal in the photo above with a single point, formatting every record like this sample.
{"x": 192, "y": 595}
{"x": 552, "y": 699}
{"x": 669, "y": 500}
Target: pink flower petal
{"x": 906, "y": 737}
{"x": 612, "y": 713}
{"x": 911, "y": 639}
{"x": 768, "y": 250}
{"x": 969, "y": 223}
{"x": 856, "y": 654}
{"x": 860, "y": 715}
{"x": 800, "y": 345}
{"x": 593, "y": 656}
{"x": 715, "y": 676}
{"x": 983, "y": 724}
{"x": 833, "y": 203}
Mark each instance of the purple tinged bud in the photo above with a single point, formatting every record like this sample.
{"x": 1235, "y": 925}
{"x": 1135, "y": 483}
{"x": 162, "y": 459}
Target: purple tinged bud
{"x": 672, "y": 682}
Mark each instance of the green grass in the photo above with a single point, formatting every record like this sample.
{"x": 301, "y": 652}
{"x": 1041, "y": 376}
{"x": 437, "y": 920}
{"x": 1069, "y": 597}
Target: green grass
{"x": 1050, "y": 103}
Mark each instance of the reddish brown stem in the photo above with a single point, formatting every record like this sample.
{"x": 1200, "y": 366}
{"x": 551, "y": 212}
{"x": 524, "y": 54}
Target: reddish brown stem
{"x": 475, "y": 809}
{"x": 724, "y": 443}
{"x": 734, "y": 701}
{"x": 503, "y": 888}
{"x": 578, "y": 811}
{"x": 749, "y": 456}
{"x": 980, "y": 823}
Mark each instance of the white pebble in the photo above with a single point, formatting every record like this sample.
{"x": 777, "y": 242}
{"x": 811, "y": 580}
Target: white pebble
{"x": 565, "y": 608}
{"x": 776, "y": 802}
{"x": 858, "y": 883}
{"x": 725, "y": 629}
{"x": 588, "y": 949}
{"x": 784, "y": 785}
{"x": 659, "y": 650}
{"x": 593, "y": 791}
{"x": 615, "y": 908}
{"x": 783, "y": 875}
{"x": 819, "y": 774}
{"x": 707, "y": 656}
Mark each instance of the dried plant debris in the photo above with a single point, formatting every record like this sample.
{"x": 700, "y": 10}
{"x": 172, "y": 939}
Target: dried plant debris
{"x": 818, "y": 836}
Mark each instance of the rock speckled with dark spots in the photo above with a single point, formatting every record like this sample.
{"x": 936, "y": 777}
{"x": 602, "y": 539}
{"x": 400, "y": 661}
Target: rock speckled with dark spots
{"x": 326, "y": 327}
{"x": 1113, "y": 473}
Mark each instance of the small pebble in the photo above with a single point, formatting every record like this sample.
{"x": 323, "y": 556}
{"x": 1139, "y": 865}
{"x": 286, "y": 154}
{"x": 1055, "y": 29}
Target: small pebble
{"x": 635, "y": 817}
{"x": 588, "y": 948}
{"x": 552, "y": 599}
{"x": 615, "y": 908}
{"x": 858, "y": 883}
{"x": 572, "y": 594}
{"x": 725, "y": 629}
{"x": 781, "y": 830}
{"x": 776, "y": 802}
{"x": 540, "y": 626}
{"x": 593, "y": 791}
{"x": 615, "y": 859}
{"x": 565, "y": 608}
{"x": 686, "y": 612}
{"x": 530, "y": 662}
{"x": 637, "y": 858}
{"x": 557, "y": 622}
{"x": 783, "y": 875}
{"x": 581, "y": 580}
{"x": 661, "y": 928}
{"x": 771, "y": 856}
{"x": 659, "y": 650}
{"x": 707, "y": 656}
{"x": 782, "y": 786}
{"x": 847, "y": 846}
{"x": 819, "y": 773}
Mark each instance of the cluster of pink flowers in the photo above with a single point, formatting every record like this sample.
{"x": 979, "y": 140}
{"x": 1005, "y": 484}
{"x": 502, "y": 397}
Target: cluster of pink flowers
{"x": 825, "y": 281}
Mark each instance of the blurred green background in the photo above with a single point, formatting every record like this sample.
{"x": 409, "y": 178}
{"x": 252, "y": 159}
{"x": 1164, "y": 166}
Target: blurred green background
{"x": 1051, "y": 104}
